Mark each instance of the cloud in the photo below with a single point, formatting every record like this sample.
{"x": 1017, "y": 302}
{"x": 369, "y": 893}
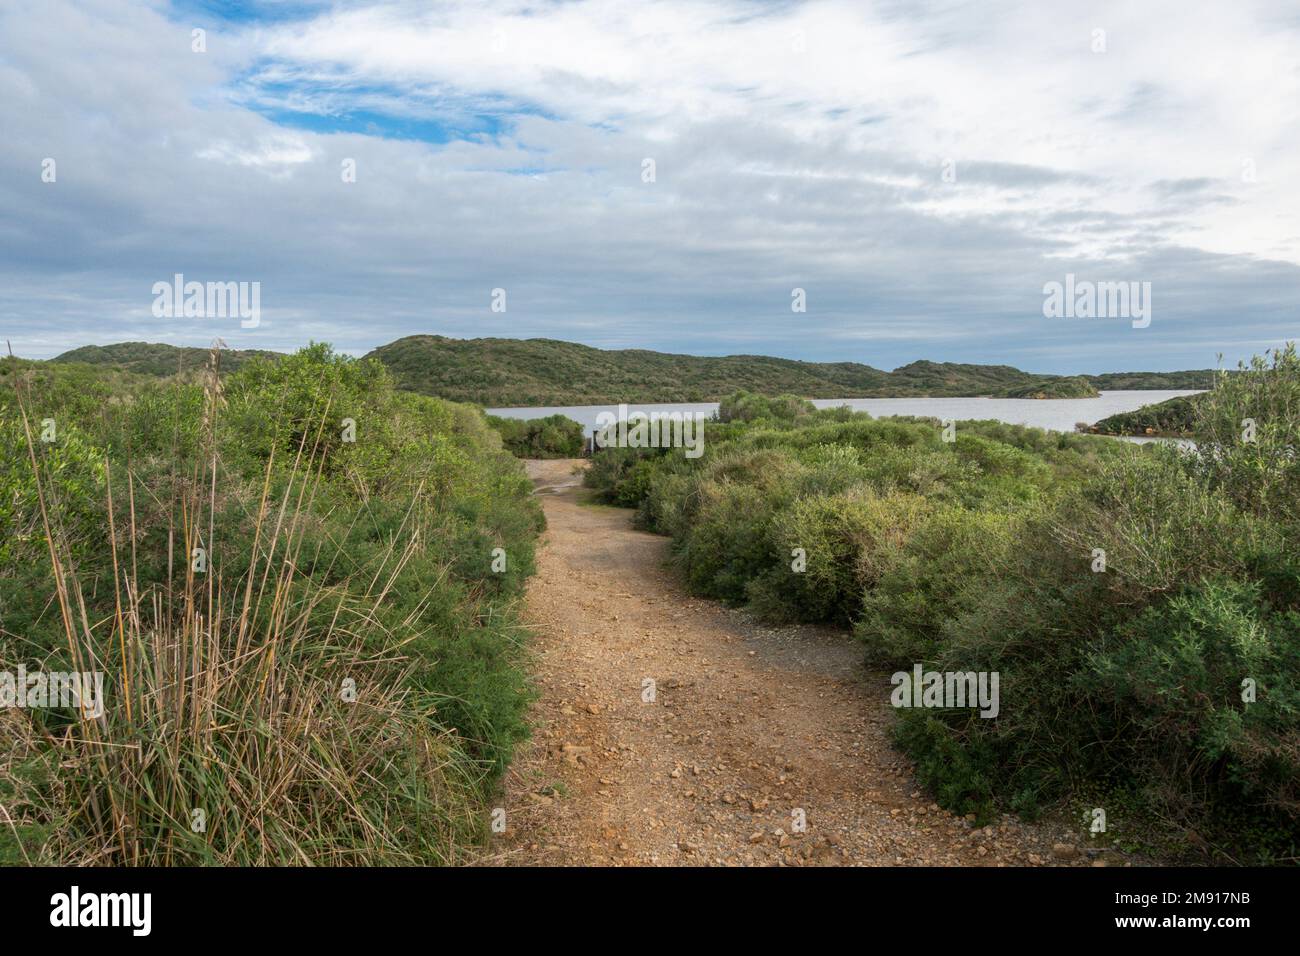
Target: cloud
{"x": 920, "y": 171}
{"x": 268, "y": 152}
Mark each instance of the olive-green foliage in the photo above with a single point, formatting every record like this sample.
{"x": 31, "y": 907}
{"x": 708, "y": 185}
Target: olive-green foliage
{"x": 621, "y": 474}
{"x": 931, "y": 577}
{"x": 1174, "y": 675}
{"x": 846, "y": 489}
{"x": 531, "y": 372}
{"x": 393, "y": 518}
{"x": 1076, "y": 386}
{"x": 151, "y": 358}
{"x": 745, "y": 406}
{"x": 1247, "y": 430}
{"x": 1174, "y": 417}
{"x": 551, "y": 437}
{"x": 845, "y": 540}
{"x": 1126, "y": 595}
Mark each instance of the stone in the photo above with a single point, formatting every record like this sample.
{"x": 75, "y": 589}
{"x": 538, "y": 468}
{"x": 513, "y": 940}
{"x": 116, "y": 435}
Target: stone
{"x": 1064, "y": 851}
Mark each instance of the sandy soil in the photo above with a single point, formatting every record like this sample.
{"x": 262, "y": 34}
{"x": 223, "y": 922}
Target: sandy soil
{"x": 758, "y": 745}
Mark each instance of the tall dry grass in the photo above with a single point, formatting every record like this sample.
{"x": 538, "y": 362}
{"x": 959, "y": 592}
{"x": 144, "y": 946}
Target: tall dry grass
{"x": 246, "y": 721}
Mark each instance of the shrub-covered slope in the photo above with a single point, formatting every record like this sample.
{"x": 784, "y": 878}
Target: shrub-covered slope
{"x": 1141, "y": 604}
{"x": 531, "y": 372}
{"x": 151, "y": 358}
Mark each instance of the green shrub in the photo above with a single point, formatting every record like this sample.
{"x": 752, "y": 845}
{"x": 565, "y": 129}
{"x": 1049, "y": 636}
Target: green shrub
{"x": 552, "y": 437}
{"x": 934, "y": 575}
{"x": 1248, "y": 432}
{"x": 359, "y": 550}
{"x": 745, "y": 406}
{"x": 1122, "y": 593}
{"x": 847, "y": 541}
{"x": 730, "y": 542}
{"x": 1174, "y": 677}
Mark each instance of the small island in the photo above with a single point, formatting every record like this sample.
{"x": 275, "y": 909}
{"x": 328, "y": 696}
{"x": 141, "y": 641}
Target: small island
{"x": 1075, "y": 386}
{"x": 1173, "y": 418}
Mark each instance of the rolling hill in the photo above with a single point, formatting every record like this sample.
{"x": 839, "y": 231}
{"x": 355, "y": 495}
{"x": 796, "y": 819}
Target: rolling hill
{"x": 151, "y": 358}
{"x": 512, "y": 372}
{"x": 531, "y": 372}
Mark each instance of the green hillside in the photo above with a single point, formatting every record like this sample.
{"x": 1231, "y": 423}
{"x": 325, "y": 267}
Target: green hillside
{"x": 504, "y": 372}
{"x": 151, "y": 358}
{"x": 530, "y": 372}
{"x": 513, "y": 372}
{"x": 1202, "y": 378}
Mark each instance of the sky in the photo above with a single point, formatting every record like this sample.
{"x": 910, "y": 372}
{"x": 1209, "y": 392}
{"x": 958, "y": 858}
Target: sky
{"x": 920, "y": 171}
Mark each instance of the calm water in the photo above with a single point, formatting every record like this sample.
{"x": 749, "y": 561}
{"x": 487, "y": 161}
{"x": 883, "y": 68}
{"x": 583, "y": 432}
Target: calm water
{"x": 1056, "y": 414}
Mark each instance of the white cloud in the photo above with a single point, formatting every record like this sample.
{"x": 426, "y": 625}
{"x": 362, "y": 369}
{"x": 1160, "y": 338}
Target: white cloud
{"x": 796, "y": 144}
{"x": 1177, "y": 93}
{"x": 270, "y": 151}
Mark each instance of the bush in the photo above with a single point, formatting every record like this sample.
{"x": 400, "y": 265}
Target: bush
{"x": 934, "y": 575}
{"x": 552, "y": 437}
{"x": 747, "y": 407}
{"x": 1174, "y": 678}
{"x": 843, "y": 543}
{"x": 353, "y": 665}
{"x": 1248, "y": 432}
{"x": 1122, "y": 593}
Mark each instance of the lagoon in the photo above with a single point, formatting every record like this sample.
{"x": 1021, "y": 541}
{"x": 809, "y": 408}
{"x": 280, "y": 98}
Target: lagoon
{"x": 1056, "y": 414}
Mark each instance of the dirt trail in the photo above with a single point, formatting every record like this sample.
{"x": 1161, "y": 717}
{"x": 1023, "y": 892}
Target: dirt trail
{"x": 750, "y": 729}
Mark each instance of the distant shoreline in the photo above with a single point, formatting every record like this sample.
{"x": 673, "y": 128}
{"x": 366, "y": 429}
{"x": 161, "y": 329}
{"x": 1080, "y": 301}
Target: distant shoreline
{"x": 528, "y": 373}
{"x": 1055, "y": 415}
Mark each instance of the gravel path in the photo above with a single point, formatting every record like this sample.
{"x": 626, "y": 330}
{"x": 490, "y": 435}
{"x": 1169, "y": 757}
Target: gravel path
{"x": 752, "y": 746}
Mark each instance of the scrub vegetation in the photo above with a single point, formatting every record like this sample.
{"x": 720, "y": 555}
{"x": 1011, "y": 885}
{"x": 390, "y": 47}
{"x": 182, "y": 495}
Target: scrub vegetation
{"x": 1140, "y": 603}
{"x": 300, "y": 584}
